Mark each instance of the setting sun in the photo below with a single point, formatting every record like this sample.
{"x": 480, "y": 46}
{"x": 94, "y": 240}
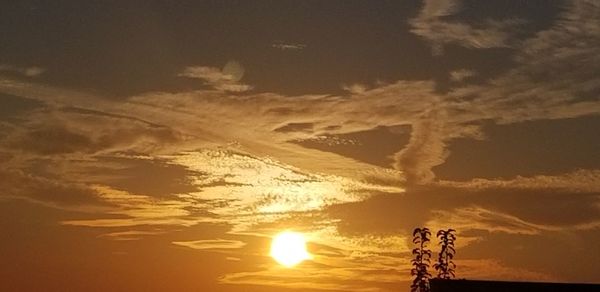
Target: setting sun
{"x": 289, "y": 248}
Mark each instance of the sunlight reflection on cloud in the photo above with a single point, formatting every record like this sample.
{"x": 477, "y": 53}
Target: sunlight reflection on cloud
{"x": 262, "y": 185}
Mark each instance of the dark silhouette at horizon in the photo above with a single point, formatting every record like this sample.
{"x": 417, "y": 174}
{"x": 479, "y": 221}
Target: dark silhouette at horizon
{"x": 445, "y": 285}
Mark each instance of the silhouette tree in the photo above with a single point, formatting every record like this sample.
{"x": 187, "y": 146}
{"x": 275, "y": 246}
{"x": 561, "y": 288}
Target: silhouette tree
{"x": 445, "y": 266}
{"x": 421, "y": 261}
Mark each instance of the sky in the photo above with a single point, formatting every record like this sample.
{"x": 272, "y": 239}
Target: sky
{"x": 159, "y": 146}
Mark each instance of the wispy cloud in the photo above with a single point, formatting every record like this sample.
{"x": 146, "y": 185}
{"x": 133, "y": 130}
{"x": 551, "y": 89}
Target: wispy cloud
{"x": 355, "y": 88}
{"x": 57, "y": 130}
{"x": 211, "y": 244}
{"x": 432, "y": 25}
{"x": 576, "y": 181}
{"x": 288, "y": 46}
{"x": 139, "y": 210}
{"x": 224, "y": 80}
{"x": 131, "y": 234}
{"x": 477, "y": 218}
{"x": 19, "y": 184}
{"x": 461, "y": 74}
{"x": 32, "y": 71}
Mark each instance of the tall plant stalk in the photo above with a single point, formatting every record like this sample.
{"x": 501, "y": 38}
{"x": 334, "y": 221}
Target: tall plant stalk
{"x": 421, "y": 261}
{"x": 445, "y": 265}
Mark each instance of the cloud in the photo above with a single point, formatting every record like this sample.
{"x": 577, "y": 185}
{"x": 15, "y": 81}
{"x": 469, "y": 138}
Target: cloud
{"x": 524, "y": 149}
{"x": 577, "y": 181}
{"x": 14, "y": 107}
{"x": 530, "y": 91}
{"x": 151, "y": 176}
{"x": 355, "y": 88}
{"x": 233, "y": 188}
{"x": 18, "y": 184}
{"x": 461, "y": 74}
{"x": 432, "y": 25}
{"x": 426, "y": 149}
{"x": 436, "y": 118}
{"x": 288, "y": 46}
{"x": 309, "y": 279}
{"x": 374, "y": 146}
{"x": 554, "y": 77}
{"x": 501, "y": 207}
{"x": 212, "y": 244}
{"x": 130, "y": 235}
{"x": 252, "y": 125}
{"x": 32, "y": 71}
{"x": 141, "y": 210}
{"x": 295, "y": 127}
{"x": 477, "y": 218}
{"x": 265, "y": 186}
{"x": 223, "y": 80}
{"x": 67, "y": 131}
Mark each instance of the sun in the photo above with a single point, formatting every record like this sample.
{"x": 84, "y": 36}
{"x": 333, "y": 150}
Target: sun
{"x": 289, "y": 248}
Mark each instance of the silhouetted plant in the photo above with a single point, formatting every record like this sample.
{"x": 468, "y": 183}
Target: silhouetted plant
{"x": 421, "y": 261}
{"x": 445, "y": 266}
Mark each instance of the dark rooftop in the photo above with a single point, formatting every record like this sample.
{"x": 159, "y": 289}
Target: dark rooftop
{"x": 438, "y": 285}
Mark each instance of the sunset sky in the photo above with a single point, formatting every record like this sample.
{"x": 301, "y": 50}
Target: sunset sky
{"x": 160, "y": 145}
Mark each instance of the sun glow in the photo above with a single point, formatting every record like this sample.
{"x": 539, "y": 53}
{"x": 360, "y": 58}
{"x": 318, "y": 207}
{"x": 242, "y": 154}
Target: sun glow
{"x": 288, "y": 248}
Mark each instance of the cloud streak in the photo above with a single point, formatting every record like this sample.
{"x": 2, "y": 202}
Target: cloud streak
{"x": 431, "y": 24}
{"x": 32, "y": 71}
{"x": 211, "y": 244}
{"x": 216, "y": 78}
